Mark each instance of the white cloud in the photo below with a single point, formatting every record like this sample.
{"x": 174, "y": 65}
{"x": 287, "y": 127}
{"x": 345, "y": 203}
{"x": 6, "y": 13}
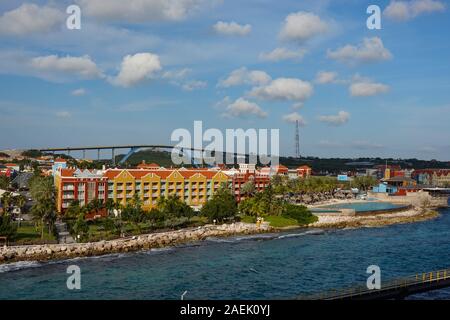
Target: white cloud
{"x": 324, "y": 77}
{"x": 301, "y": 26}
{"x": 341, "y": 118}
{"x": 293, "y": 118}
{"x": 136, "y": 69}
{"x": 364, "y": 87}
{"x": 29, "y": 19}
{"x": 141, "y": 10}
{"x": 242, "y": 107}
{"x": 54, "y": 66}
{"x": 407, "y": 10}
{"x": 284, "y": 89}
{"x": 78, "y": 92}
{"x": 243, "y": 76}
{"x": 279, "y": 54}
{"x": 371, "y": 50}
{"x": 232, "y": 28}
{"x": 63, "y": 114}
{"x": 194, "y": 84}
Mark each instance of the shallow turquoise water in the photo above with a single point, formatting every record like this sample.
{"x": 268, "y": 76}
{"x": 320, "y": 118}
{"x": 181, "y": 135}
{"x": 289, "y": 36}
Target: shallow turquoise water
{"x": 365, "y": 206}
{"x": 259, "y": 267}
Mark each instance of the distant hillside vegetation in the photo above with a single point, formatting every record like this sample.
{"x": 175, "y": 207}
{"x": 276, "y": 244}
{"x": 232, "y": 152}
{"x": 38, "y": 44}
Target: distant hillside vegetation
{"x": 330, "y": 165}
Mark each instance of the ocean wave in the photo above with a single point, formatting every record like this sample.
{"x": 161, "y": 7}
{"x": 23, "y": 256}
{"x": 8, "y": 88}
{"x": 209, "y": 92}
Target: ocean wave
{"x": 266, "y": 236}
{"x": 159, "y": 250}
{"x": 20, "y": 265}
{"x": 305, "y": 233}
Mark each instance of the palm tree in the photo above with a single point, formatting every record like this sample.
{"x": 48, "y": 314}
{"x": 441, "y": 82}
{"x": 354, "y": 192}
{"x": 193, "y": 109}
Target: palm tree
{"x": 6, "y": 201}
{"x": 43, "y": 192}
{"x": 20, "y": 201}
{"x": 248, "y": 188}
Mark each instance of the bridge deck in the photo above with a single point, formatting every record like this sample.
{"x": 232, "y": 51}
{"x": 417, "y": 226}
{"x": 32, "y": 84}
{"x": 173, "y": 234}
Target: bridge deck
{"x": 395, "y": 289}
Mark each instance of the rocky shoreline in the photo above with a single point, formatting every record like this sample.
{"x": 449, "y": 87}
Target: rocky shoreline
{"x": 172, "y": 238}
{"x": 375, "y": 220}
{"x": 141, "y": 242}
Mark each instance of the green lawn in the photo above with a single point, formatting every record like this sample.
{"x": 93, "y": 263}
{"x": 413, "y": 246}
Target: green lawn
{"x": 248, "y": 219}
{"x": 98, "y": 232}
{"x": 280, "y": 222}
{"x": 28, "y": 233}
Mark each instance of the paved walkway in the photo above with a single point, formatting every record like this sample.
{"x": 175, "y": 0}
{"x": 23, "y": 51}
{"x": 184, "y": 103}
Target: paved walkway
{"x": 63, "y": 235}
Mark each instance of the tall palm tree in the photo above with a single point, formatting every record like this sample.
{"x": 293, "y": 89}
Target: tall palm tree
{"x": 43, "y": 192}
{"x": 20, "y": 202}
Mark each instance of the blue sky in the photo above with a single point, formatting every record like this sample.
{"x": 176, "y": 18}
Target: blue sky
{"x": 133, "y": 76}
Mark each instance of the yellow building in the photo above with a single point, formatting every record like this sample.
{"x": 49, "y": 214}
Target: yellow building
{"x": 194, "y": 186}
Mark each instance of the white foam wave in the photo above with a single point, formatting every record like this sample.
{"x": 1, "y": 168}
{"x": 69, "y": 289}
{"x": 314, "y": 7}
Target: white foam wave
{"x": 15, "y": 266}
{"x": 305, "y": 233}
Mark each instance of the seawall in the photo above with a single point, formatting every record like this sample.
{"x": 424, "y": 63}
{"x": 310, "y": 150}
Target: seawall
{"x": 141, "y": 242}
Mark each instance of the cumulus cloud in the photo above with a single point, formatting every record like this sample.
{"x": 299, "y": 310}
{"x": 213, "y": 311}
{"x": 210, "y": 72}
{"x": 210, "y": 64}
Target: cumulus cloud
{"x": 194, "y": 84}
{"x": 29, "y": 19}
{"x": 370, "y": 50}
{"x": 52, "y": 65}
{"x": 324, "y": 77}
{"x": 341, "y": 118}
{"x": 242, "y": 107}
{"x": 284, "y": 89}
{"x": 407, "y": 10}
{"x": 279, "y": 54}
{"x": 232, "y": 28}
{"x": 363, "y": 87}
{"x": 136, "y": 69}
{"x": 301, "y": 26}
{"x": 243, "y": 76}
{"x": 140, "y": 10}
{"x": 78, "y": 92}
{"x": 293, "y": 118}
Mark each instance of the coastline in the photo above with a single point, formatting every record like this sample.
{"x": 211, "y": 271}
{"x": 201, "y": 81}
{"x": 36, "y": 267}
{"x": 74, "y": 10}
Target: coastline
{"x": 171, "y": 238}
{"x": 375, "y": 220}
{"x": 142, "y": 242}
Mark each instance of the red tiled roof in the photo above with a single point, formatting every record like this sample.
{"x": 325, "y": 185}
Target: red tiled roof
{"x": 163, "y": 174}
{"x": 11, "y": 164}
{"x": 67, "y": 172}
{"x": 148, "y": 165}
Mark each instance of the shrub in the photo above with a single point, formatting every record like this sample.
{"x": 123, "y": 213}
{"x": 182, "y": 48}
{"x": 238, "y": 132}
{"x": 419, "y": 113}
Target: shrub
{"x": 299, "y": 213}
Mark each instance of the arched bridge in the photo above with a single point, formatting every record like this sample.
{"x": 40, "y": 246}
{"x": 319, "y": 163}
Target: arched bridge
{"x": 132, "y": 149}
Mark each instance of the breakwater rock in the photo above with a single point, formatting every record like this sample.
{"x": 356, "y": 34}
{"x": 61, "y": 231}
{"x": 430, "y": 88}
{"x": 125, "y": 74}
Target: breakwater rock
{"x": 141, "y": 242}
